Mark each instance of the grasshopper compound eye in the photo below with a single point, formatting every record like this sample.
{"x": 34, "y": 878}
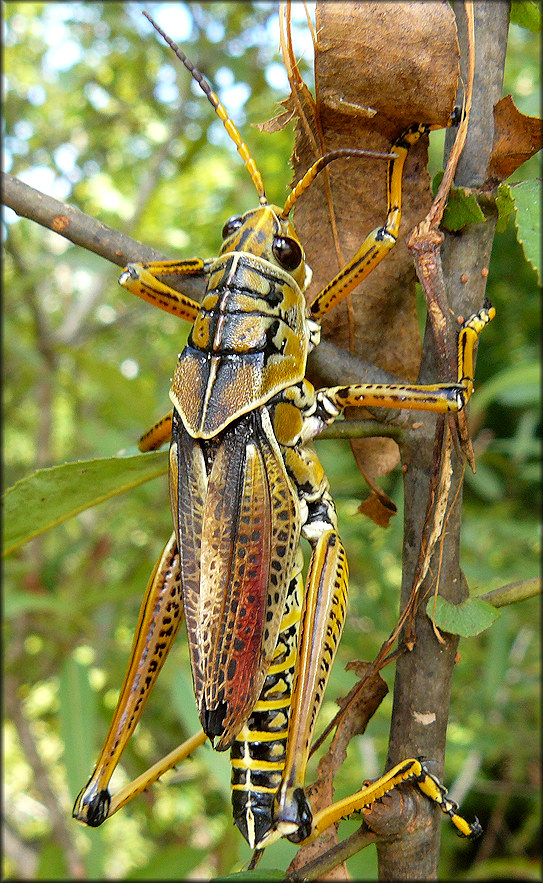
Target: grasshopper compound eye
{"x": 287, "y": 251}
{"x": 231, "y": 225}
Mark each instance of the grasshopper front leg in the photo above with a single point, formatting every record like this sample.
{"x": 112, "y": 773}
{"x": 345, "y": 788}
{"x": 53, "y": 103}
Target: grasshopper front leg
{"x": 141, "y": 280}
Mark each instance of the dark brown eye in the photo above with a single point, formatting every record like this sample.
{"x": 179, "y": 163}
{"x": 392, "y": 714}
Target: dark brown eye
{"x": 287, "y": 252}
{"x": 232, "y": 224}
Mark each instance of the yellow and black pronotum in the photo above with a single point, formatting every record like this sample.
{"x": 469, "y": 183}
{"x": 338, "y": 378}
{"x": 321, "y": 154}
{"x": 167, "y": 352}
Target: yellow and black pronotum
{"x": 245, "y": 485}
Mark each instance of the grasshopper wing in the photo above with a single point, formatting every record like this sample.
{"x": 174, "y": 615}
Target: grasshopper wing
{"x": 234, "y": 594}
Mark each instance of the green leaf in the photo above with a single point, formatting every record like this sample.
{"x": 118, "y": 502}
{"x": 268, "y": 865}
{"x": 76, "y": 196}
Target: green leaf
{"x": 513, "y": 592}
{"x": 182, "y": 700}
{"x": 466, "y": 619}
{"x": 462, "y": 207}
{"x": 78, "y": 714}
{"x": 505, "y": 205}
{"x": 77, "y": 722}
{"x": 50, "y": 496}
{"x": 527, "y": 197}
{"x": 527, "y": 14}
{"x": 436, "y": 181}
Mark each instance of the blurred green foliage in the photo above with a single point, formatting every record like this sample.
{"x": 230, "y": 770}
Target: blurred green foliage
{"x": 91, "y": 100}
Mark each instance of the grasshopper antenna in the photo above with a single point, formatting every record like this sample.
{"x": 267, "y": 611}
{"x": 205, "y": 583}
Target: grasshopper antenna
{"x": 320, "y": 164}
{"x": 220, "y": 110}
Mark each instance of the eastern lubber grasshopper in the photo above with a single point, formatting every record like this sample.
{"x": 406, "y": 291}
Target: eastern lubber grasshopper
{"x": 245, "y": 486}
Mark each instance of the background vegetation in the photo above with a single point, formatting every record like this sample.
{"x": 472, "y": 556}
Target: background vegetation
{"x": 97, "y": 114}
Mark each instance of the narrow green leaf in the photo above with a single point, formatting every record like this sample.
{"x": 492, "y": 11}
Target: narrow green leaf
{"x": 513, "y": 592}
{"x": 50, "y": 496}
{"x": 527, "y": 14}
{"x": 182, "y": 699}
{"x": 498, "y": 645}
{"x": 467, "y": 619}
{"x": 77, "y": 722}
{"x": 527, "y": 196}
{"x": 78, "y": 713}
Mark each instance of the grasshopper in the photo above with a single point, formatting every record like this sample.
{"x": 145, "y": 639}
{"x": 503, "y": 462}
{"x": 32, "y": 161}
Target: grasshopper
{"x": 245, "y": 486}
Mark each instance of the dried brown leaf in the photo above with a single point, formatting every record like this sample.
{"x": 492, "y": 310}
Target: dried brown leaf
{"x": 277, "y": 123}
{"x": 382, "y": 453}
{"x": 402, "y": 61}
{"x": 516, "y": 138}
{"x": 375, "y": 457}
{"x": 379, "y": 68}
{"x": 379, "y": 507}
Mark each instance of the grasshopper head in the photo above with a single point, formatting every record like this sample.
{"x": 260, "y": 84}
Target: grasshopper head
{"x": 264, "y": 233}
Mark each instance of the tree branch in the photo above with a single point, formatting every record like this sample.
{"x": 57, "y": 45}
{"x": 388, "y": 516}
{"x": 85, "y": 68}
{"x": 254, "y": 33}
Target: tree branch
{"x": 79, "y": 228}
{"x": 423, "y": 677}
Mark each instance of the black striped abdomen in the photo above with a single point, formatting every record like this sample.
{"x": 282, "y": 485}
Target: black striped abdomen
{"x": 258, "y": 753}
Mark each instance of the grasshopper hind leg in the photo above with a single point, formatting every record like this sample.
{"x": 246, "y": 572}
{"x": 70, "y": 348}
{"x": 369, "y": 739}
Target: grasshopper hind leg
{"x": 160, "y": 616}
{"x": 92, "y": 805}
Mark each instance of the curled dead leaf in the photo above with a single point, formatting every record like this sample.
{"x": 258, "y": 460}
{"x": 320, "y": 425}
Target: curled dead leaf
{"x": 517, "y": 137}
{"x": 379, "y": 508}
